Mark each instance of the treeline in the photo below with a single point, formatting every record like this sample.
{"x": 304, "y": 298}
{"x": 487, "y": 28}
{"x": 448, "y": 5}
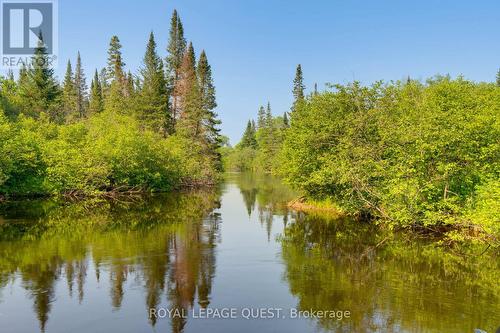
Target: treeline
{"x": 417, "y": 155}
{"x": 155, "y": 129}
{"x": 259, "y": 144}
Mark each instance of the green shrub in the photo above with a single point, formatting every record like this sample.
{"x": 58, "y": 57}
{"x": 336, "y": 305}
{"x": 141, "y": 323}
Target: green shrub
{"x": 411, "y": 153}
{"x": 107, "y": 151}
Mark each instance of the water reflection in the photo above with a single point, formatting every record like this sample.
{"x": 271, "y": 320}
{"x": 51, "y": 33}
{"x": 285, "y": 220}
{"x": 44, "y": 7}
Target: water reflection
{"x": 69, "y": 260}
{"x": 267, "y": 195}
{"x": 166, "y": 242}
{"x": 396, "y": 286}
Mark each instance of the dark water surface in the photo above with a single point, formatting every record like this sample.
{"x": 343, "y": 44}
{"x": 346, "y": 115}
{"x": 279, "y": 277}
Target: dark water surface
{"x": 237, "y": 252}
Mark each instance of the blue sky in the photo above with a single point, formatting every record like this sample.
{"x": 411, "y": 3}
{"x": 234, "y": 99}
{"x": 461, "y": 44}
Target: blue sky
{"x": 254, "y": 46}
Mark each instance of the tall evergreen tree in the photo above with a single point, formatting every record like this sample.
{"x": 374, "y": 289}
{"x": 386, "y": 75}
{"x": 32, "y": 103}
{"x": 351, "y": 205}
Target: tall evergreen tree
{"x": 176, "y": 49}
{"x": 249, "y": 139}
{"x": 176, "y": 44}
{"x": 190, "y": 101}
{"x": 96, "y": 103}
{"x": 114, "y": 69}
{"x": 207, "y": 88}
{"x": 298, "y": 87}
{"x": 69, "y": 96}
{"x": 208, "y": 101}
{"x": 153, "y": 106}
{"x": 261, "y": 118}
{"x": 269, "y": 115}
{"x": 40, "y": 91}
{"x": 265, "y": 138}
{"x": 115, "y": 97}
{"x": 103, "y": 81}
{"x": 81, "y": 89}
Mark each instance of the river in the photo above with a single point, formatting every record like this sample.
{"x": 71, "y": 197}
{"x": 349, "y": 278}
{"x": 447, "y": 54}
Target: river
{"x": 232, "y": 259}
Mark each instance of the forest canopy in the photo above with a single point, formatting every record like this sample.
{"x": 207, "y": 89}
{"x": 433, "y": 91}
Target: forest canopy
{"x": 153, "y": 130}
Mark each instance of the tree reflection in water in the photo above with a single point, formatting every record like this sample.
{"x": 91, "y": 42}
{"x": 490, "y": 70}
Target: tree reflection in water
{"x": 165, "y": 247}
{"x": 388, "y": 286}
{"x": 167, "y": 242}
{"x": 388, "y": 283}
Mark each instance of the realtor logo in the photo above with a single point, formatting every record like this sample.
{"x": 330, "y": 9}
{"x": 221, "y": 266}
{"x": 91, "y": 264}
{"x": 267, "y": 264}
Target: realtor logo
{"x": 24, "y": 25}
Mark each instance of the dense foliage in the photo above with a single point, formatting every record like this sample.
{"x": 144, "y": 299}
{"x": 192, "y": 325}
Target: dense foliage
{"x": 121, "y": 134}
{"x": 414, "y": 154}
{"x": 260, "y": 144}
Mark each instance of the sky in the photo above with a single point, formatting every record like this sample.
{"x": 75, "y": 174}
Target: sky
{"x": 254, "y": 46}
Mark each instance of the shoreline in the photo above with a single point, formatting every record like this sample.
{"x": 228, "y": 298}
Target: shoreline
{"x": 445, "y": 235}
{"x": 111, "y": 193}
{"x": 310, "y": 206}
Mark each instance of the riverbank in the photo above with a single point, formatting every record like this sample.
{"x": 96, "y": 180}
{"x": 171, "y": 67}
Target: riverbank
{"x": 441, "y": 234}
{"x": 121, "y": 259}
{"x": 110, "y": 193}
{"x": 313, "y": 206}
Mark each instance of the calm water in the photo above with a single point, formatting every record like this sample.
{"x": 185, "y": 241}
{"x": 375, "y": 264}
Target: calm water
{"x": 102, "y": 267}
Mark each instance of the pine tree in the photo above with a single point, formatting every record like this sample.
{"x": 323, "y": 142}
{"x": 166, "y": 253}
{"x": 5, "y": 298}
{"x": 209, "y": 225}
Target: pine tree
{"x": 271, "y": 135}
{"x": 261, "y": 118}
{"x": 186, "y": 78}
{"x": 269, "y": 117}
{"x": 190, "y": 101}
{"x": 40, "y": 91}
{"x": 207, "y": 88}
{"x": 265, "y": 138}
{"x": 115, "y": 97}
{"x": 176, "y": 44}
{"x": 96, "y": 104}
{"x": 298, "y": 87}
{"x": 249, "y": 139}
{"x": 270, "y": 126}
{"x": 103, "y": 81}
{"x": 498, "y": 78}
{"x": 153, "y": 93}
{"x": 81, "y": 89}
{"x": 176, "y": 49}
{"x": 114, "y": 69}
{"x": 69, "y": 96}
{"x": 208, "y": 101}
